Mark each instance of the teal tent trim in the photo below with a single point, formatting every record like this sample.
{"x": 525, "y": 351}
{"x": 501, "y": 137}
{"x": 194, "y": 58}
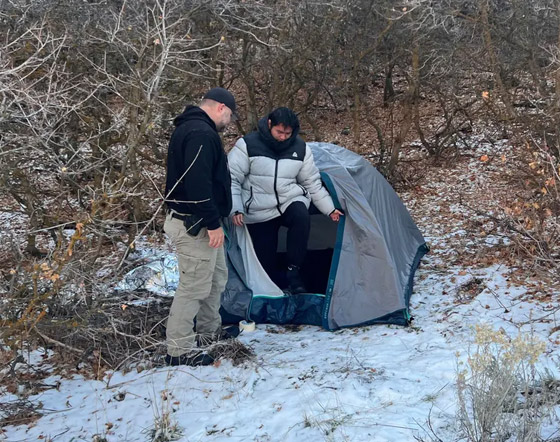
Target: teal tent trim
{"x": 422, "y": 250}
{"x": 336, "y": 253}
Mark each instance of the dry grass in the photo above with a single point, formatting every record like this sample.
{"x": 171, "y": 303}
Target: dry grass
{"x": 234, "y": 350}
{"x": 19, "y": 412}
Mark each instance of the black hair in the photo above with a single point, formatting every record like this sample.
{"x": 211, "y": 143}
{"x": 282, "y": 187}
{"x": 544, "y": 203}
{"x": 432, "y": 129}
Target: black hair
{"x": 284, "y": 116}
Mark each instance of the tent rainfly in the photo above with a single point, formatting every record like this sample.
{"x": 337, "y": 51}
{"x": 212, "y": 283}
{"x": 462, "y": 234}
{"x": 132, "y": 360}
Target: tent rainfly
{"x": 359, "y": 271}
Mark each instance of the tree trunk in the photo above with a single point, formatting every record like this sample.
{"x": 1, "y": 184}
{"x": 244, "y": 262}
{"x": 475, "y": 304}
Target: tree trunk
{"x": 408, "y": 112}
{"x": 388, "y": 91}
{"x": 494, "y": 62}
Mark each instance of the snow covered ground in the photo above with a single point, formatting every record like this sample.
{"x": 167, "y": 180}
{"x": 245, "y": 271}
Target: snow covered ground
{"x": 377, "y": 383}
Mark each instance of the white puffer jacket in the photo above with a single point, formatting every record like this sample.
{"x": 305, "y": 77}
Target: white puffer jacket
{"x": 267, "y": 176}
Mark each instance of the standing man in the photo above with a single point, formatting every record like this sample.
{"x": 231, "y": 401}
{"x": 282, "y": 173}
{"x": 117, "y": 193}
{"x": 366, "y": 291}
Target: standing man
{"x": 274, "y": 180}
{"x": 198, "y": 196}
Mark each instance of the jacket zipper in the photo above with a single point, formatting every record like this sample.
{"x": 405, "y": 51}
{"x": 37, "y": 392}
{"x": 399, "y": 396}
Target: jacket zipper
{"x": 275, "y": 189}
{"x": 249, "y": 201}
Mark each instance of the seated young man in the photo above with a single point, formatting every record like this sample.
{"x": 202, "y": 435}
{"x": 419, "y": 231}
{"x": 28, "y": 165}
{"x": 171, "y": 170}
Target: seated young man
{"x": 274, "y": 180}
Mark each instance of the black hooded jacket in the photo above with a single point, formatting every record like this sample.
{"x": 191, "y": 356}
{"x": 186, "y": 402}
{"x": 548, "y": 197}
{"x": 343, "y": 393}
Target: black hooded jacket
{"x": 205, "y": 190}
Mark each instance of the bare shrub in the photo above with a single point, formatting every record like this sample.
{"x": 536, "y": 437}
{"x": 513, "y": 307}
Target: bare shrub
{"x": 530, "y": 218}
{"x": 501, "y": 394}
{"x": 86, "y": 98}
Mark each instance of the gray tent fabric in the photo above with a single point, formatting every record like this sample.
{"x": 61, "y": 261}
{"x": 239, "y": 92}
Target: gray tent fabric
{"x": 367, "y": 260}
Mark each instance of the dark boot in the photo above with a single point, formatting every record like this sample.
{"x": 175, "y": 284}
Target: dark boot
{"x": 230, "y": 332}
{"x": 194, "y": 359}
{"x": 295, "y": 283}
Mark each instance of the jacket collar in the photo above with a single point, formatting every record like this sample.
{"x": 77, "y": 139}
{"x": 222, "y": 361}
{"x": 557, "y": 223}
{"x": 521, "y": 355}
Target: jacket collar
{"x": 269, "y": 140}
{"x": 192, "y": 113}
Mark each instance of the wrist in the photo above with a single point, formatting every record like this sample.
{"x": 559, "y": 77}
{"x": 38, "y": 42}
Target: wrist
{"x": 213, "y": 226}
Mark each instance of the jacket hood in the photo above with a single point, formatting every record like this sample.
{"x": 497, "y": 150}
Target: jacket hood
{"x": 193, "y": 113}
{"x": 276, "y": 145}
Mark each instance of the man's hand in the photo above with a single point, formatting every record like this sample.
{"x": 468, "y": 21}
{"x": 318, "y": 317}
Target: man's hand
{"x": 216, "y": 237}
{"x": 237, "y": 219}
{"x": 336, "y": 214}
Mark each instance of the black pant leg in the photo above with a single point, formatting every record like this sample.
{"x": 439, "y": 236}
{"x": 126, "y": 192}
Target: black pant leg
{"x": 265, "y": 241}
{"x": 296, "y": 219}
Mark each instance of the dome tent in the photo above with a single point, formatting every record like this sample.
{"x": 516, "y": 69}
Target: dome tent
{"x": 358, "y": 271}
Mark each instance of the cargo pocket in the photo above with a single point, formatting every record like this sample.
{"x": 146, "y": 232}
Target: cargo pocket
{"x": 195, "y": 274}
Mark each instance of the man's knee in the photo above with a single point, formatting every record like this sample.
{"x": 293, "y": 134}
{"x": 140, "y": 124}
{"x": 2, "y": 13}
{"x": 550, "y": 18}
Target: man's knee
{"x": 297, "y": 214}
{"x": 298, "y": 208}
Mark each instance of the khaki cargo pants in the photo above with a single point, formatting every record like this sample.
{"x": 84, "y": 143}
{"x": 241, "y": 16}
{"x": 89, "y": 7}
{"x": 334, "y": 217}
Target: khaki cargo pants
{"x": 202, "y": 279}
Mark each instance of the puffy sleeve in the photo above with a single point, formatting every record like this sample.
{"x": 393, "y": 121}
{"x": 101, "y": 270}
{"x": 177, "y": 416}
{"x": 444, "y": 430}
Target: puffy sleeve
{"x": 310, "y": 178}
{"x": 238, "y": 160}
